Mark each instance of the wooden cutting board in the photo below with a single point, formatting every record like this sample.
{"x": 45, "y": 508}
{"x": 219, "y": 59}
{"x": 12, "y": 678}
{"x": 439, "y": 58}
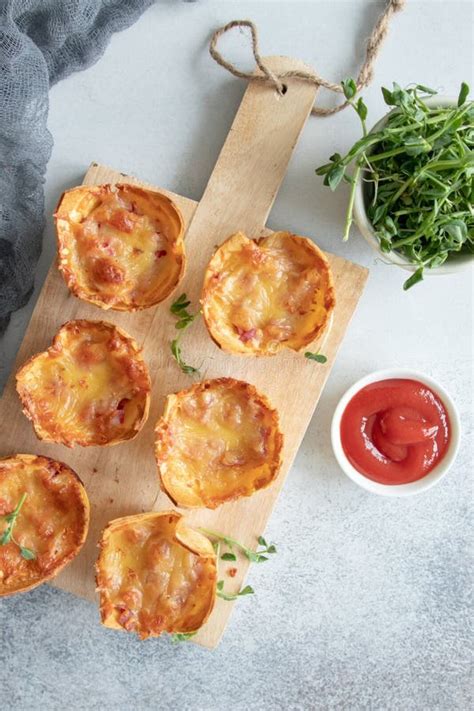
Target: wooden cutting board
{"x": 122, "y": 480}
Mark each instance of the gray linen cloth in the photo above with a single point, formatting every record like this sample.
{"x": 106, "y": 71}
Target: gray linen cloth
{"x": 41, "y": 42}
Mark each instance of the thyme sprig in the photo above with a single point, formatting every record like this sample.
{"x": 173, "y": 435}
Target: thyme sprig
{"x": 257, "y": 556}
{"x": 179, "y": 308}
{"x": 247, "y": 590}
{"x": 418, "y": 173}
{"x": 7, "y": 535}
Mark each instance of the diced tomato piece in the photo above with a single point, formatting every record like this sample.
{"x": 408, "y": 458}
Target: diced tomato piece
{"x": 246, "y": 336}
{"x": 121, "y": 409}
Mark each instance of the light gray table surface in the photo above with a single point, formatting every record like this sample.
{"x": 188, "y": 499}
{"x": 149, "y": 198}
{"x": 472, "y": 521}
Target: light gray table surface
{"x": 367, "y": 603}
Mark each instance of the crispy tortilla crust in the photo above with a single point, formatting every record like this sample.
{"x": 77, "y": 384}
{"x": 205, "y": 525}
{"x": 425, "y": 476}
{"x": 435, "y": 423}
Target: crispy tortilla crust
{"x": 247, "y": 449}
{"x": 55, "y": 515}
{"x": 119, "y": 350}
{"x": 295, "y": 327}
{"x": 123, "y": 608}
{"x": 99, "y": 274}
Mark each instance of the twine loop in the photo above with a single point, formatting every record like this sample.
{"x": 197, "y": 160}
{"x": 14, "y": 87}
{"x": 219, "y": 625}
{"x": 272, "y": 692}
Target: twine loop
{"x": 364, "y": 77}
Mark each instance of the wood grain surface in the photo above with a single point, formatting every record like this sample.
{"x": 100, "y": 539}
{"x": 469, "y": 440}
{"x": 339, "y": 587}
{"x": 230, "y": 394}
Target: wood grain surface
{"x": 122, "y": 480}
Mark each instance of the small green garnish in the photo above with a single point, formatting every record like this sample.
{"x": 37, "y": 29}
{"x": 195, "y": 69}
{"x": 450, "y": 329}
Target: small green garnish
{"x": 318, "y": 357}
{"x": 463, "y": 93}
{"x": 7, "y": 534}
{"x": 247, "y": 590}
{"x": 182, "y": 636}
{"x": 269, "y": 548}
{"x": 418, "y": 173}
{"x": 176, "y": 351}
{"x": 414, "y": 279}
{"x": 27, "y": 553}
{"x": 258, "y": 556}
{"x": 179, "y": 308}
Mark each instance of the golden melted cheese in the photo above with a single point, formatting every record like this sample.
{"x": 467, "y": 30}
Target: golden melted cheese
{"x": 120, "y": 247}
{"x": 155, "y": 575}
{"x": 91, "y": 387}
{"x": 52, "y": 521}
{"x": 216, "y": 442}
{"x": 263, "y": 295}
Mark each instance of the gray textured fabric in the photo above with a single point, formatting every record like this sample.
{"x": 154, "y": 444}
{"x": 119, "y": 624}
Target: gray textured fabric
{"x": 41, "y": 42}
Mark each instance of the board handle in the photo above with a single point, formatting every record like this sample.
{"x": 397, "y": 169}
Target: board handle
{"x": 251, "y": 165}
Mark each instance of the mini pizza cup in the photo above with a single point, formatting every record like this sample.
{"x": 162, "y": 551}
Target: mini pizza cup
{"x": 263, "y": 295}
{"x": 217, "y": 441}
{"x": 155, "y": 574}
{"x": 119, "y": 246}
{"x": 44, "y": 518}
{"x": 90, "y": 387}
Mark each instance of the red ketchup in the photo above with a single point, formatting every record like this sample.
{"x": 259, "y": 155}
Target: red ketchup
{"x": 395, "y": 431}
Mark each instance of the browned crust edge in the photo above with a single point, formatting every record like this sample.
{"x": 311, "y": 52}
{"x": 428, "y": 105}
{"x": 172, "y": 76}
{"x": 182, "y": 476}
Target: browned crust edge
{"x": 330, "y": 301}
{"x": 69, "y": 274}
{"x": 253, "y": 393}
{"x": 85, "y": 508}
{"x": 41, "y": 433}
{"x": 184, "y": 536}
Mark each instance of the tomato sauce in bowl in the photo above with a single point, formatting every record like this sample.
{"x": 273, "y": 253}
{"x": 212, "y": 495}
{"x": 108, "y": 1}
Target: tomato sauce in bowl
{"x": 395, "y": 431}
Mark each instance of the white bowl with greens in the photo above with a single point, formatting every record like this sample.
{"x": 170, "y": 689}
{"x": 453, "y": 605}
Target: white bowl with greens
{"x": 412, "y": 185}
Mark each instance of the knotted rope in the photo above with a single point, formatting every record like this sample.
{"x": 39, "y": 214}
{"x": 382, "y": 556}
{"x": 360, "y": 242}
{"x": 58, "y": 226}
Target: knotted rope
{"x": 364, "y": 77}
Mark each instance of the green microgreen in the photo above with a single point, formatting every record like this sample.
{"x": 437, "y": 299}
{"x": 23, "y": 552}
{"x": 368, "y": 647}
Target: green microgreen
{"x": 179, "y": 309}
{"x": 257, "y": 556}
{"x": 182, "y": 636}
{"x": 7, "y": 535}
{"x": 414, "y": 279}
{"x": 247, "y": 590}
{"x": 318, "y": 357}
{"x": 418, "y": 176}
{"x": 463, "y": 93}
{"x": 349, "y": 88}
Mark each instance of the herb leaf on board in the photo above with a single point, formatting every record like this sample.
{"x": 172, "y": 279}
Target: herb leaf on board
{"x": 247, "y": 590}
{"x": 179, "y": 309}
{"x": 257, "y": 556}
{"x": 318, "y": 357}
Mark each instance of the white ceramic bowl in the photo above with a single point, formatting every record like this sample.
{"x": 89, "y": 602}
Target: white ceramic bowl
{"x": 414, "y": 487}
{"x": 455, "y": 263}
